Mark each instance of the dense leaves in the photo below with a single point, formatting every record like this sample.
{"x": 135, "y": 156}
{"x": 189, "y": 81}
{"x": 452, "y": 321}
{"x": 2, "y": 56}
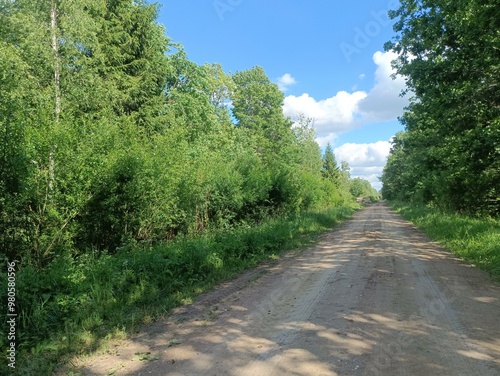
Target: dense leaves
{"x": 449, "y": 52}
{"x": 113, "y": 143}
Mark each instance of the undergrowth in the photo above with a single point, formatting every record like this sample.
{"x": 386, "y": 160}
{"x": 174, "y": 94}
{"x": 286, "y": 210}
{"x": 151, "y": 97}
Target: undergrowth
{"x": 77, "y": 304}
{"x": 476, "y": 240}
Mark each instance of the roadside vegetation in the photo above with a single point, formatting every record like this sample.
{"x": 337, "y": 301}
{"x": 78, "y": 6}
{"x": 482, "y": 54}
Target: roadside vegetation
{"x": 132, "y": 178}
{"x": 444, "y": 169}
{"x": 476, "y": 240}
{"x": 77, "y": 304}
{"x": 449, "y": 154}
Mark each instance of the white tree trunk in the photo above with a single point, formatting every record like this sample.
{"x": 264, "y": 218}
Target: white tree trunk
{"x": 57, "y": 89}
{"x": 53, "y": 26}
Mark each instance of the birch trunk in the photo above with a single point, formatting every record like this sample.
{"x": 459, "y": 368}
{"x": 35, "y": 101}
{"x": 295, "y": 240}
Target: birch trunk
{"x": 57, "y": 89}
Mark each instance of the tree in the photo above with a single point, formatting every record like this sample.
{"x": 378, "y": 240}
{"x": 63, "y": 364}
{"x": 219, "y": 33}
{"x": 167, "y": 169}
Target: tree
{"x": 131, "y": 48}
{"x": 362, "y": 188}
{"x": 30, "y": 119}
{"x": 257, "y": 106}
{"x": 330, "y": 169}
{"x": 16, "y": 83}
{"x": 96, "y": 73}
{"x": 447, "y": 50}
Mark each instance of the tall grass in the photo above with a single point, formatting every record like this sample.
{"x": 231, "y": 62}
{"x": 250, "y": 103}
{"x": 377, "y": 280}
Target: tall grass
{"x": 75, "y": 305}
{"x": 476, "y": 240}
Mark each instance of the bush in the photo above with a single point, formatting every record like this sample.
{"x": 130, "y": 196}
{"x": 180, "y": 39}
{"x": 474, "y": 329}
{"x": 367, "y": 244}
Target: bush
{"x": 76, "y": 302}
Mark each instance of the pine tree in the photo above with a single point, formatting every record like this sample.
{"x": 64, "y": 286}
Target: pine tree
{"x": 330, "y": 169}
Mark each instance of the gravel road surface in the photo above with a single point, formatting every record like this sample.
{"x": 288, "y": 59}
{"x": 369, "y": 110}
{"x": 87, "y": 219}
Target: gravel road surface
{"x": 373, "y": 297}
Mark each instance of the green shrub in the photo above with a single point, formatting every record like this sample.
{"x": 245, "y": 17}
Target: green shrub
{"x": 74, "y": 303}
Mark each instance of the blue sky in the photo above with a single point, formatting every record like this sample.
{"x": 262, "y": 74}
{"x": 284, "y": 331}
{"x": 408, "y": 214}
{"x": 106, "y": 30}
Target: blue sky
{"x": 327, "y": 56}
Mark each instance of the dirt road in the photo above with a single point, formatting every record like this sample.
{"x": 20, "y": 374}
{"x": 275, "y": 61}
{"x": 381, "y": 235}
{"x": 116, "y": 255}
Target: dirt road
{"x": 374, "y": 297}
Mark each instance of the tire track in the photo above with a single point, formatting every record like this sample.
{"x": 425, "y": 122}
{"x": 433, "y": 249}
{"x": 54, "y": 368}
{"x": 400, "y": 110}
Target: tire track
{"x": 373, "y": 297}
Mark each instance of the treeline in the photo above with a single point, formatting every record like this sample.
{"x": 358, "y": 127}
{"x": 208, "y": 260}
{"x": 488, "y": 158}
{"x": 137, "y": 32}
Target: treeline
{"x": 131, "y": 177}
{"x": 449, "y": 154}
{"x": 110, "y": 136}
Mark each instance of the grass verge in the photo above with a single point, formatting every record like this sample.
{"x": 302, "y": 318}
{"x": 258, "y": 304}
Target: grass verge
{"x": 476, "y": 240}
{"x": 76, "y": 305}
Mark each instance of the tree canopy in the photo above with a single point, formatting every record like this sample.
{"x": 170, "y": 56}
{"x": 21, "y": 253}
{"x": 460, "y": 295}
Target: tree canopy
{"x": 119, "y": 157}
{"x": 449, "y": 154}
{"x": 112, "y": 136}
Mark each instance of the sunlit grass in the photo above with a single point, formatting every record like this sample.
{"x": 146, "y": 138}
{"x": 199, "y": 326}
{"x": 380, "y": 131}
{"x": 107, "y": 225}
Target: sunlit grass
{"x": 77, "y": 305}
{"x": 476, "y": 240}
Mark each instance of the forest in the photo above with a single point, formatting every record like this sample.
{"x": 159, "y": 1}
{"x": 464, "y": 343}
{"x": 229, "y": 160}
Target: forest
{"x": 448, "y": 157}
{"x": 129, "y": 173}
{"x": 132, "y": 178}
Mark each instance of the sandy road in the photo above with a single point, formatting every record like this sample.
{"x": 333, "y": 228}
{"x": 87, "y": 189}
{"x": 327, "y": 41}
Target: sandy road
{"x": 374, "y": 297}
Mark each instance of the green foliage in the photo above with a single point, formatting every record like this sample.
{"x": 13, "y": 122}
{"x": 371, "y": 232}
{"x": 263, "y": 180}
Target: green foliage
{"x": 330, "y": 169}
{"x": 362, "y": 188}
{"x": 449, "y": 154}
{"x": 257, "y": 106}
{"x": 475, "y": 240}
{"x": 78, "y": 302}
{"x": 126, "y": 180}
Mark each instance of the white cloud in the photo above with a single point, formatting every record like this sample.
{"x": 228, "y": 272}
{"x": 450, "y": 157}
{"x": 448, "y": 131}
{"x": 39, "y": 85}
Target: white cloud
{"x": 345, "y": 111}
{"x": 328, "y": 139}
{"x": 285, "y": 81}
{"x": 384, "y": 102}
{"x": 331, "y": 115}
{"x": 363, "y": 155}
{"x": 367, "y": 161}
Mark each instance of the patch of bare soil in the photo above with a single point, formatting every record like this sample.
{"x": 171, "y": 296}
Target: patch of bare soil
{"x": 374, "y": 297}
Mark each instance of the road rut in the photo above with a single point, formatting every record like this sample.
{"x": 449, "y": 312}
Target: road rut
{"x": 373, "y": 297}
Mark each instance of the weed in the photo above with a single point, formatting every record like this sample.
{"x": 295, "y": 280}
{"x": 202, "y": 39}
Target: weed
{"x": 145, "y": 357}
{"x": 76, "y": 305}
{"x": 212, "y": 313}
{"x": 476, "y": 240}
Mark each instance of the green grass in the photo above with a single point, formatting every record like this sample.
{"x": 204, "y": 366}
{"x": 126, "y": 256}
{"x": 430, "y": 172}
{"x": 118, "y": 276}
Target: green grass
{"x": 476, "y": 240}
{"x": 76, "y": 305}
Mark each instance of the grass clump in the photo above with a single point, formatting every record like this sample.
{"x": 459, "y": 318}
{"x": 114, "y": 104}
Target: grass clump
{"x": 76, "y": 304}
{"x": 476, "y": 240}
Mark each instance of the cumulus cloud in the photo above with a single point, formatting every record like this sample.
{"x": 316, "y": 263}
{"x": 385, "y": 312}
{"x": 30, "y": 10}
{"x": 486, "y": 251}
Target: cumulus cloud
{"x": 345, "y": 111}
{"x": 285, "y": 81}
{"x": 331, "y": 116}
{"x": 335, "y": 114}
{"x": 328, "y": 139}
{"x": 367, "y": 161}
{"x": 365, "y": 155}
{"x": 384, "y": 102}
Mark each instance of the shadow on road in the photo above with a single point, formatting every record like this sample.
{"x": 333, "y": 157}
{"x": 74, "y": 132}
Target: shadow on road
{"x": 374, "y": 297}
